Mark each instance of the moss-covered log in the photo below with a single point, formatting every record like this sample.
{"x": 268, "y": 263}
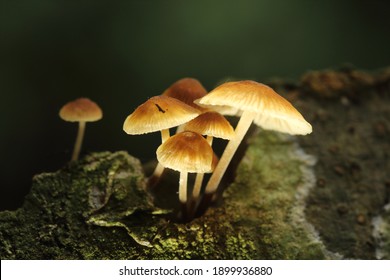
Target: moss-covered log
{"x": 325, "y": 195}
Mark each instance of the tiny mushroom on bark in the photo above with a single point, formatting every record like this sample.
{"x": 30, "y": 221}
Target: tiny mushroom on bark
{"x": 253, "y": 102}
{"x": 212, "y": 124}
{"x": 186, "y": 152}
{"x": 81, "y": 110}
{"x": 159, "y": 113}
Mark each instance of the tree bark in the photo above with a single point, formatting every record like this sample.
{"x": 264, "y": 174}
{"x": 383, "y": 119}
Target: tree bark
{"x": 321, "y": 196}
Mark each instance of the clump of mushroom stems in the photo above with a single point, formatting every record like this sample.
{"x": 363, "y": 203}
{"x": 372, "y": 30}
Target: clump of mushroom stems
{"x": 186, "y": 152}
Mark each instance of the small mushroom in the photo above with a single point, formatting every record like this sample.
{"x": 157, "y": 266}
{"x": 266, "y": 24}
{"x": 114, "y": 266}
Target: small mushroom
{"x": 159, "y": 113}
{"x": 186, "y": 90}
{"x": 186, "y": 152}
{"x": 212, "y": 124}
{"x": 81, "y": 110}
{"x": 254, "y": 102}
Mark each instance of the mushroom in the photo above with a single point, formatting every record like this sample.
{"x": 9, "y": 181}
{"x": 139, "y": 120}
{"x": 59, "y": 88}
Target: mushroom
{"x": 257, "y": 103}
{"x": 81, "y": 110}
{"x": 186, "y": 90}
{"x": 159, "y": 113}
{"x": 186, "y": 152}
{"x": 212, "y": 124}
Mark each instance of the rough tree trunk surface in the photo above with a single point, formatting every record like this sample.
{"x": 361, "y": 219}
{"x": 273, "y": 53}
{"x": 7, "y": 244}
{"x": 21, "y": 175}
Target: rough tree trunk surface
{"x": 322, "y": 196}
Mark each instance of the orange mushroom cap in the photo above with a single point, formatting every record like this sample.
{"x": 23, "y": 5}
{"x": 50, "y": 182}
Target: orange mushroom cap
{"x": 272, "y": 110}
{"x": 187, "y": 151}
{"x": 212, "y": 124}
{"x": 186, "y": 90}
{"x": 158, "y": 113}
{"x": 81, "y": 109}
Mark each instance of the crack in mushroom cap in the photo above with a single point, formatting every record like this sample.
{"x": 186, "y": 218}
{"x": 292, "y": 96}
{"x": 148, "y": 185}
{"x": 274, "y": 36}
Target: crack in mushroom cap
{"x": 187, "y": 151}
{"x": 158, "y": 113}
{"x": 273, "y": 111}
{"x": 81, "y": 109}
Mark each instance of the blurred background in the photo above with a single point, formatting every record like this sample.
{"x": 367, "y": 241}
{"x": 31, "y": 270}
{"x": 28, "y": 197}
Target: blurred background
{"x": 119, "y": 53}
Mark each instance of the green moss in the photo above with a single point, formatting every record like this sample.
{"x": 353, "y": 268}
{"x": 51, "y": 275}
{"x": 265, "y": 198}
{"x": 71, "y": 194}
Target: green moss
{"x": 264, "y": 195}
{"x": 98, "y": 209}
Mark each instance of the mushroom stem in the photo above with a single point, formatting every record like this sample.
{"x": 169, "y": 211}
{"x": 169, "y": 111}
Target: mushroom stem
{"x": 183, "y": 195}
{"x": 240, "y": 131}
{"x": 197, "y": 186}
{"x": 159, "y": 169}
{"x": 164, "y": 135}
{"x": 183, "y": 187}
{"x": 199, "y": 177}
{"x": 179, "y": 129}
{"x": 79, "y": 141}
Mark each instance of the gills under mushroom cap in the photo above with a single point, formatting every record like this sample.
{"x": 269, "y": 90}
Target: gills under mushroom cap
{"x": 272, "y": 110}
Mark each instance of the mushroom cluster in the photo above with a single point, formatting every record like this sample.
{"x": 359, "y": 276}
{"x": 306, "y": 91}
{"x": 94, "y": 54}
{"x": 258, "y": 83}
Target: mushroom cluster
{"x": 187, "y": 105}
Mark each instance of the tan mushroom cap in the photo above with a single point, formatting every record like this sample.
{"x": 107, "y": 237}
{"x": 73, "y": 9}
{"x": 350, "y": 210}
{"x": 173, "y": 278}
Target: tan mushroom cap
{"x": 212, "y": 124}
{"x": 186, "y": 90}
{"x": 158, "y": 113}
{"x": 273, "y": 111}
{"x": 81, "y": 109}
{"x": 187, "y": 151}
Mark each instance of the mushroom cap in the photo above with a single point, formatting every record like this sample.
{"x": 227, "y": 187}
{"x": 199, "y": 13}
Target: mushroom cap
{"x": 212, "y": 124}
{"x": 186, "y": 90}
{"x": 187, "y": 151}
{"x": 158, "y": 113}
{"x": 81, "y": 109}
{"x": 273, "y": 111}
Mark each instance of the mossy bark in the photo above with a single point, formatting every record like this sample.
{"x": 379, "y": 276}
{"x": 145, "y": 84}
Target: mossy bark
{"x": 322, "y": 196}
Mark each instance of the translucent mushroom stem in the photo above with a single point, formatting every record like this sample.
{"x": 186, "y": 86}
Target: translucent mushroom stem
{"x": 227, "y": 155}
{"x": 183, "y": 187}
{"x": 199, "y": 177}
{"x": 197, "y": 186}
{"x": 159, "y": 169}
{"x": 179, "y": 129}
{"x": 183, "y": 195}
{"x": 164, "y": 135}
{"x": 79, "y": 141}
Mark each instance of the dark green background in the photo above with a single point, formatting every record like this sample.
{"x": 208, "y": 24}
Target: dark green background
{"x": 119, "y": 53}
